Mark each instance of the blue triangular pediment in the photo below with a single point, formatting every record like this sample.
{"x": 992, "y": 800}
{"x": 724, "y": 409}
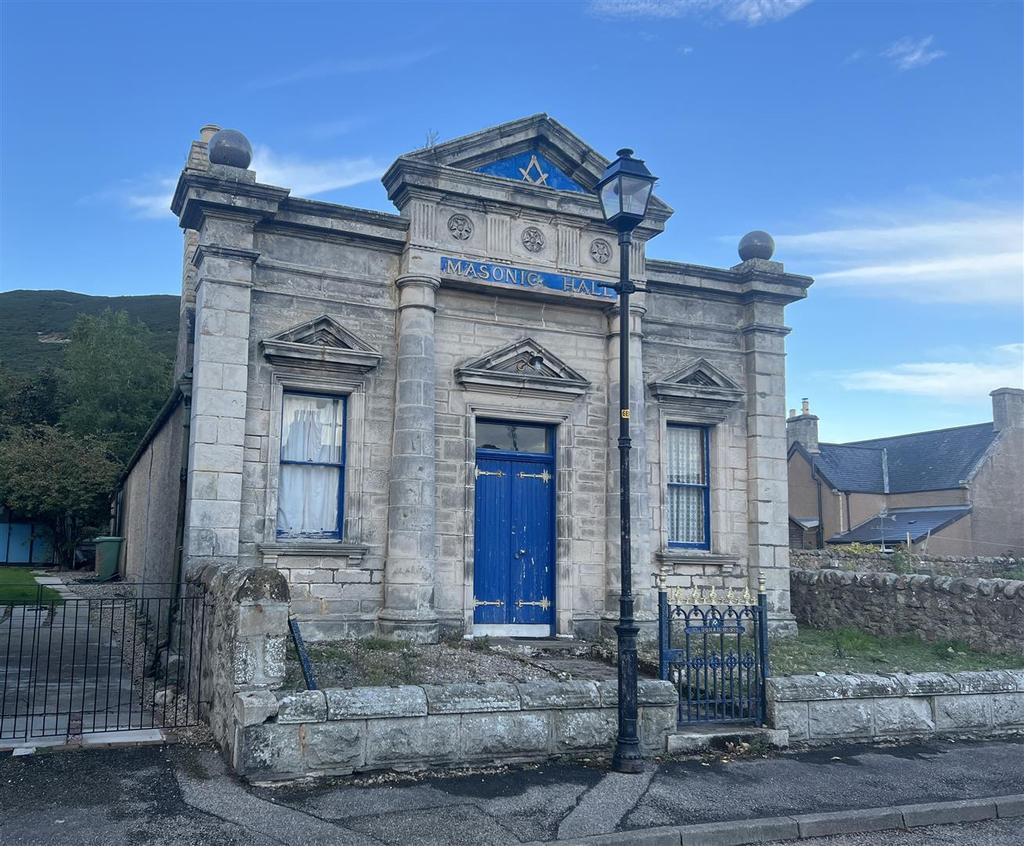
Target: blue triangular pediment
{"x": 534, "y": 167}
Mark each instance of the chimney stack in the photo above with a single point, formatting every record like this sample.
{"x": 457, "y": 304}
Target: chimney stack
{"x": 803, "y": 428}
{"x": 1007, "y": 408}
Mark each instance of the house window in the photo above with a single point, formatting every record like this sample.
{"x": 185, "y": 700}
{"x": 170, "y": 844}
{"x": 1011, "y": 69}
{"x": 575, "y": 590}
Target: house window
{"x": 312, "y": 481}
{"x": 689, "y": 518}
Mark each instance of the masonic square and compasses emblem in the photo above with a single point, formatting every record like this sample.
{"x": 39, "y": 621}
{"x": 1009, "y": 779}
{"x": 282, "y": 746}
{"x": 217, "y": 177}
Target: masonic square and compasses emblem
{"x": 533, "y": 173}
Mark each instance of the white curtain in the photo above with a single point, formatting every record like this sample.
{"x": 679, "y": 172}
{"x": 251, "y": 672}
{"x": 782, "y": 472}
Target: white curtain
{"x": 307, "y": 501}
{"x": 686, "y": 466}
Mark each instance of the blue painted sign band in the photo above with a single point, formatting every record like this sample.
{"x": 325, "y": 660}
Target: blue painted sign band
{"x": 518, "y": 277}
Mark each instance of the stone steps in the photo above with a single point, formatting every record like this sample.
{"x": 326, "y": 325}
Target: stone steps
{"x": 716, "y": 737}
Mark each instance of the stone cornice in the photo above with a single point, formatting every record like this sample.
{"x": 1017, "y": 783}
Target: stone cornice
{"x": 752, "y": 281}
{"x": 199, "y": 193}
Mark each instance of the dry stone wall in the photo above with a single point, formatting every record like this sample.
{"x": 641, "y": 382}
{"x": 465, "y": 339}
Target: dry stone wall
{"x": 840, "y": 558}
{"x": 833, "y": 708}
{"x": 987, "y": 614}
{"x": 286, "y": 735}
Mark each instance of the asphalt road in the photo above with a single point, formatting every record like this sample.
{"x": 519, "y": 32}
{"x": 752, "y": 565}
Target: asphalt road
{"x": 183, "y": 795}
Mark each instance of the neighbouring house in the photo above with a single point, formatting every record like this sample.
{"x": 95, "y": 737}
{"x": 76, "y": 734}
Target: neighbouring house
{"x": 409, "y": 414}
{"x": 957, "y": 491}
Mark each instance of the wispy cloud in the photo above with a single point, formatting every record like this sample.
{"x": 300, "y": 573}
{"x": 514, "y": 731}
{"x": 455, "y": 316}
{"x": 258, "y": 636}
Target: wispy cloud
{"x": 345, "y": 67}
{"x": 749, "y": 12}
{"x": 908, "y": 53}
{"x": 943, "y": 252}
{"x": 150, "y": 198}
{"x": 948, "y": 381}
{"x": 309, "y": 177}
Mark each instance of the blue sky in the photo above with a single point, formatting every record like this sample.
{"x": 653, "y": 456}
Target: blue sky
{"x": 880, "y": 143}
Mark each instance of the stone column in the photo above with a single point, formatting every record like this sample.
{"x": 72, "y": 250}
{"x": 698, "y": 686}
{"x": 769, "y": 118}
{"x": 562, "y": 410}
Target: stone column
{"x": 645, "y": 604}
{"x": 767, "y": 490}
{"x": 409, "y": 611}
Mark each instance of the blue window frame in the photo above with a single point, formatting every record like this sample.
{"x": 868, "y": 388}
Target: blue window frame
{"x": 311, "y": 486}
{"x": 689, "y": 487}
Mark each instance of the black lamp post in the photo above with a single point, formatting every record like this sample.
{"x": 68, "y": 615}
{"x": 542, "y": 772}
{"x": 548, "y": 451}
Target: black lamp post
{"x": 625, "y": 190}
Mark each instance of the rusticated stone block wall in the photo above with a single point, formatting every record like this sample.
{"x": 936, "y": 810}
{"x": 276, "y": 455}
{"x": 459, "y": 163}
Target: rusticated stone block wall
{"x": 856, "y": 706}
{"x": 338, "y": 731}
{"x": 987, "y": 614}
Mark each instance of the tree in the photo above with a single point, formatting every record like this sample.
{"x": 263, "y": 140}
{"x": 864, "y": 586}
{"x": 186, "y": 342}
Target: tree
{"x": 29, "y": 400}
{"x": 62, "y": 479}
{"x": 114, "y": 382}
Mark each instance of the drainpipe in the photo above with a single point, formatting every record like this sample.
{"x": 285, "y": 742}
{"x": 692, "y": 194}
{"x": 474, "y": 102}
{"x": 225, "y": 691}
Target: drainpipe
{"x": 179, "y": 535}
{"x": 820, "y": 532}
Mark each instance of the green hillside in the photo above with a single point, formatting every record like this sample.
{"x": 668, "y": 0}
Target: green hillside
{"x": 33, "y": 324}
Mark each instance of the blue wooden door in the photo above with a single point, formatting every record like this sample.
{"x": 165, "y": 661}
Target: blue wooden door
{"x": 514, "y": 560}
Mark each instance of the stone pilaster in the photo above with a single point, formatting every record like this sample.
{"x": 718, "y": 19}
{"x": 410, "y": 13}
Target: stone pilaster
{"x": 767, "y": 492}
{"x": 409, "y": 611}
{"x": 219, "y": 376}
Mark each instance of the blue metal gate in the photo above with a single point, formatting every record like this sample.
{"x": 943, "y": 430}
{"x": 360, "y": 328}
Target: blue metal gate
{"x": 514, "y": 561}
{"x": 715, "y": 650}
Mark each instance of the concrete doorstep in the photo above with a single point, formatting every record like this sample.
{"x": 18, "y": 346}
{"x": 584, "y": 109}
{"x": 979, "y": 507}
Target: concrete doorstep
{"x": 804, "y": 826}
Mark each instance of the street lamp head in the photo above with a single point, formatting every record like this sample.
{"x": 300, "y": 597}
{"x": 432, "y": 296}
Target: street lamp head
{"x": 625, "y": 190}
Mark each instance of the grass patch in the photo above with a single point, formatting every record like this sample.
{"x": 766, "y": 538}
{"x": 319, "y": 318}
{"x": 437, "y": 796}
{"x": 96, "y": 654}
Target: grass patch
{"x": 851, "y": 650}
{"x": 18, "y": 587}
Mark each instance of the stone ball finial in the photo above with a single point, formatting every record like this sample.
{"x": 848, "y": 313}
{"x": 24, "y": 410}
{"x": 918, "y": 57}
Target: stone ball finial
{"x": 756, "y": 244}
{"x": 230, "y": 147}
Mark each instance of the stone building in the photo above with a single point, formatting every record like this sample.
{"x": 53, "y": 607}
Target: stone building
{"x": 408, "y": 414}
{"x": 956, "y": 491}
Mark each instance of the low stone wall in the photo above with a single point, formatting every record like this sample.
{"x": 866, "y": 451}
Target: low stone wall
{"x": 287, "y": 735}
{"x": 829, "y": 708}
{"x": 240, "y": 639}
{"x": 840, "y": 558}
{"x": 987, "y": 614}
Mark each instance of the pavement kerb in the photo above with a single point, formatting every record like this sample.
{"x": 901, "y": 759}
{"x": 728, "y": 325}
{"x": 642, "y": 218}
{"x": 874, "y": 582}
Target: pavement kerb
{"x": 804, "y": 826}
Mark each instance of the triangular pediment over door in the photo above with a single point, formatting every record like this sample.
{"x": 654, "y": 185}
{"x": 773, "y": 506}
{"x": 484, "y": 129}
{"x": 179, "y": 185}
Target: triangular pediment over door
{"x": 523, "y": 367}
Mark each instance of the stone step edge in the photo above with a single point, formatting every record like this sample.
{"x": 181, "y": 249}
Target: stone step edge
{"x": 805, "y": 826}
{"x": 683, "y": 742}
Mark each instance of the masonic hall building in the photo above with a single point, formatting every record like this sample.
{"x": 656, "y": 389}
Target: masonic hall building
{"x": 413, "y": 416}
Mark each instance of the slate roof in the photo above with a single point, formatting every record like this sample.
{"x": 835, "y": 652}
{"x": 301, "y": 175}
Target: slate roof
{"x": 922, "y": 461}
{"x": 894, "y": 526}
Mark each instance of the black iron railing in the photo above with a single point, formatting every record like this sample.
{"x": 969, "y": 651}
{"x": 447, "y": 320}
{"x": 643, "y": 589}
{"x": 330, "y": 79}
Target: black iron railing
{"x": 715, "y": 650}
{"x": 127, "y": 659}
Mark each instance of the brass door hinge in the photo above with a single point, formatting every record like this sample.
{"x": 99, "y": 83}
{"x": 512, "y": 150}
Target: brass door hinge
{"x": 477, "y": 473}
{"x": 543, "y": 603}
{"x": 498, "y": 603}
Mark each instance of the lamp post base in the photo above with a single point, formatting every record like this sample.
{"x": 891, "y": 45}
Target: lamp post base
{"x": 627, "y": 759}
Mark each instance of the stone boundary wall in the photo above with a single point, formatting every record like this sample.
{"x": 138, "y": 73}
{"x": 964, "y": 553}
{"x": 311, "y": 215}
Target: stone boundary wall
{"x": 241, "y": 645}
{"x": 838, "y": 558}
{"x": 338, "y": 731}
{"x": 987, "y": 614}
{"x": 861, "y": 707}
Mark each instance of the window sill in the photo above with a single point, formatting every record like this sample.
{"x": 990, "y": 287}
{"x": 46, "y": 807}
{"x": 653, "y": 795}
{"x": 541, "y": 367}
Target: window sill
{"x": 695, "y": 557}
{"x": 306, "y": 546}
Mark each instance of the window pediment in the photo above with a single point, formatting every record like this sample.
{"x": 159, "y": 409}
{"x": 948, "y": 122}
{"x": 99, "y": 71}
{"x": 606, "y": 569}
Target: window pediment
{"x": 699, "y": 386}
{"x": 324, "y": 342}
{"x": 522, "y": 367}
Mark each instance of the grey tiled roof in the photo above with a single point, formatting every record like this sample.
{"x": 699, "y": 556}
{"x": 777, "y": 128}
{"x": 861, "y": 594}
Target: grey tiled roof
{"x": 922, "y": 461}
{"x": 851, "y": 468}
{"x": 894, "y": 526}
